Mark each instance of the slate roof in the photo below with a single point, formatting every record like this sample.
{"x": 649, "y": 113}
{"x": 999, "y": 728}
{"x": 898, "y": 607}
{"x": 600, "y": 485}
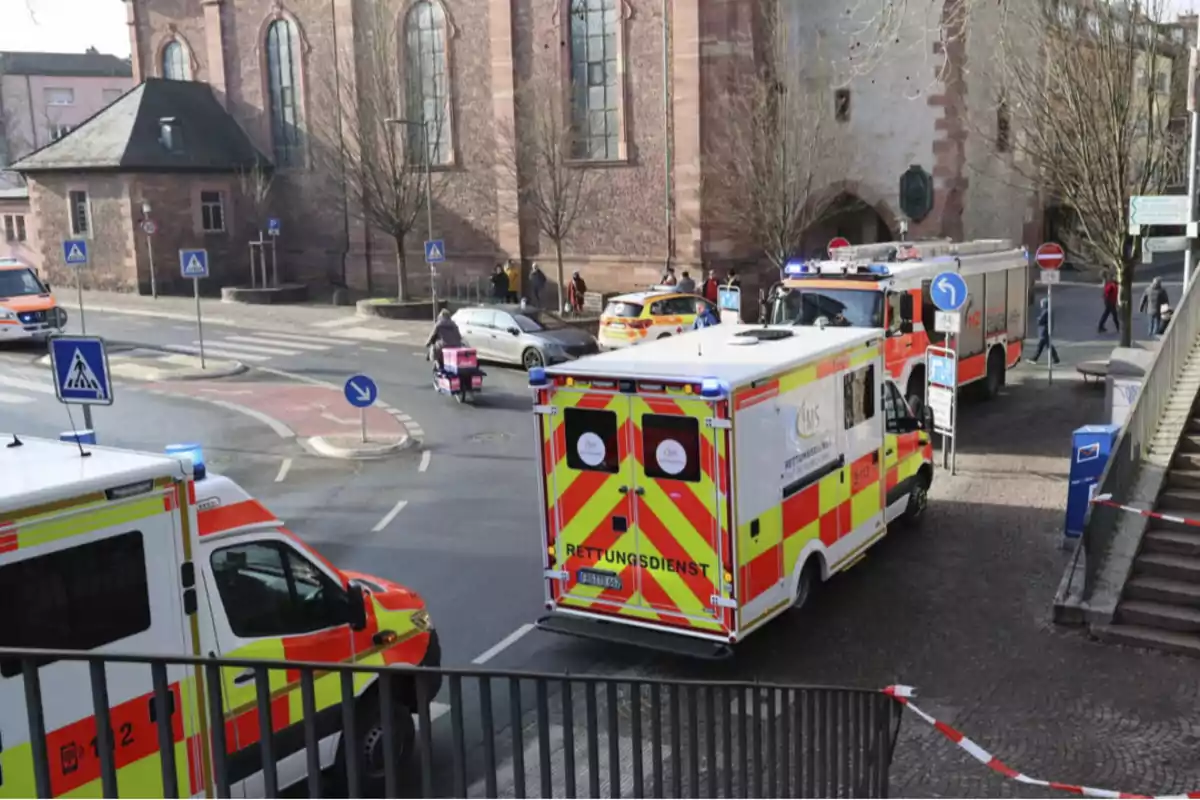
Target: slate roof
{"x": 74, "y": 65}
{"x": 125, "y": 136}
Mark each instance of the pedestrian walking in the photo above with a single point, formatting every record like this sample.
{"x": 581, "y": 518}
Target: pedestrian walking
{"x": 1111, "y": 293}
{"x": 1043, "y": 323}
{"x": 537, "y": 284}
{"x": 1154, "y": 302}
{"x": 575, "y": 293}
{"x": 513, "y": 273}
{"x": 499, "y": 284}
{"x": 686, "y": 284}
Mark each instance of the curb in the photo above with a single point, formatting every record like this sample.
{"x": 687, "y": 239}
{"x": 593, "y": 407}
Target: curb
{"x": 234, "y": 368}
{"x": 359, "y": 451}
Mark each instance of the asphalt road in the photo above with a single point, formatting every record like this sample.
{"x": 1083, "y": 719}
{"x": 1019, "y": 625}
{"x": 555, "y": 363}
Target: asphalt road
{"x": 960, "y": 608}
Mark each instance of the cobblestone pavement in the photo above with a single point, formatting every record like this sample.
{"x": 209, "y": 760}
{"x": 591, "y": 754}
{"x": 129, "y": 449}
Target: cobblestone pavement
{"x": 960, "y": 609}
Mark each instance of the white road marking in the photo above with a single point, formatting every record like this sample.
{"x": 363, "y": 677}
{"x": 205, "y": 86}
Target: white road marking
{"x": 340, "y": 420}
{"x": 425, "y": 456}
{"x": 31, "y": 386}
{"x": 15, "y": 399}
{"x": 215, "y": 351}
{"x": 374, "y": 349}
{"x": 502, "y": 645}
{"x": 274, "y": 342}
{"x": 283, "y": 430}
{"x": 284, "y": 468}
{"x": 388, "y": 517}
{"x": 337, "y": 323}
{"x": 370, "y": 334}
{"x": 272, "y": 351}
{"x": 295, "y": 337}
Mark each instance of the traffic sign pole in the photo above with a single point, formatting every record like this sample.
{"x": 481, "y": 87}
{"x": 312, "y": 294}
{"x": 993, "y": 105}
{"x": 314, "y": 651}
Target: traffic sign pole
{"x": 361, "y": 392}
{"x": 75, "y": 253}
{"x": 199, "y": 323}
{"x": 194, "y": 264}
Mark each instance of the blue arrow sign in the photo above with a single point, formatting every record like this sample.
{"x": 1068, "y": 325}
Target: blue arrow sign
{"x": 361, "y": 391}
{"x": 948, "y": 291}
{"x": 193, "y": 263}
{"x": 435, "y": 251}
{"x": 81, "y": 375}
{"x": 941, "y": 371}
{"x": 273, "y": 226}
{"x": 75, "y": 252}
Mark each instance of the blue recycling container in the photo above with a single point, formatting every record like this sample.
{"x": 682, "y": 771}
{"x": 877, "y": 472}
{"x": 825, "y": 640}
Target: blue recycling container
{"x": 1091, "y": 447}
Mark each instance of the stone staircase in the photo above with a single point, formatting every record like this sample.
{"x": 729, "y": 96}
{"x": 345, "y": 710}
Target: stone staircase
{"x": 1160, "y": 606}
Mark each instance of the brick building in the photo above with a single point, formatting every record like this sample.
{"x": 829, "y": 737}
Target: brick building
{"x": 652, "y": 69}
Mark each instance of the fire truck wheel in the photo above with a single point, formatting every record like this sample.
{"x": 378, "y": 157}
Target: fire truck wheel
{"x": 371, "y": 754}
{"x": 810, "y": 579}
{"x": 995, "y": 374}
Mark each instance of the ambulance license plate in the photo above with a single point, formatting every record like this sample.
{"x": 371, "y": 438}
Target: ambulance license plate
{"x": 595, "y": 577}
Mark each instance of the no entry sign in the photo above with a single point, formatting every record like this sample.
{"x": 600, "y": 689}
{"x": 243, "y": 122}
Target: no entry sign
{"x": 837, "y": 242}
{"x": 1050, "y": 256}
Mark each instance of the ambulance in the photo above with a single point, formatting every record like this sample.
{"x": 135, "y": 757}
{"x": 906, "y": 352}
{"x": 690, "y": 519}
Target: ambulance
{"x": 28, "y": 310}
{"x": 126, "y": 552}
{"x": 696, "y": 487}
{"x": 888, "y": 286}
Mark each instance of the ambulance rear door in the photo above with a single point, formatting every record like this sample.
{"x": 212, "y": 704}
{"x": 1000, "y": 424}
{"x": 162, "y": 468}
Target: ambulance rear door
{"x": 635, "y": 487}
{"x": 85, "y": 577}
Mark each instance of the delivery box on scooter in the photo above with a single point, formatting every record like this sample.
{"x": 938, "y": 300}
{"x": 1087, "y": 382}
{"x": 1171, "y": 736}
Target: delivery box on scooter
{"x": 459, "y": 358}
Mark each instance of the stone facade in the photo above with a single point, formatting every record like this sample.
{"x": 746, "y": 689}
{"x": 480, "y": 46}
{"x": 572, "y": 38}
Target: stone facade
{"x": 909, "y": 109}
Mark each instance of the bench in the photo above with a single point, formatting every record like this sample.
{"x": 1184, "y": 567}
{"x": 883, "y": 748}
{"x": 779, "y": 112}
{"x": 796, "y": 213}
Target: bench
{"x": 1093, "y": 371}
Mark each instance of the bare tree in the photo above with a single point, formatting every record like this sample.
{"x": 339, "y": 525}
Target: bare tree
{"x": 366, "y": 141}
{"x": 552, "y": 184}
{"x": 1084, "y": 108}
{"x": 255, "y": 185}
{"x": 777, "y": 147}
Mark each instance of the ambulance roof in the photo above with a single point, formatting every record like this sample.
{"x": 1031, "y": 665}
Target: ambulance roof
{"x": 719, "y": 352}
{"x": 43, "y": 470}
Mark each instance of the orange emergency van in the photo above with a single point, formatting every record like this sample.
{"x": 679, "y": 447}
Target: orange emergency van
{"x": 695, "y": 487}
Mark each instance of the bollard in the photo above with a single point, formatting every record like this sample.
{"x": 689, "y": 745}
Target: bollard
{"x": 84, "y": 436}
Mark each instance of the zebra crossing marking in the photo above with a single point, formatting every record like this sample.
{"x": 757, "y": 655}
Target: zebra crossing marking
{"x": 215, "y": 351}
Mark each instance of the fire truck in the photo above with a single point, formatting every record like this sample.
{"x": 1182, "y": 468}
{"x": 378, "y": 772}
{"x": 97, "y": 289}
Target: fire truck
{"x": 887, "y": 285}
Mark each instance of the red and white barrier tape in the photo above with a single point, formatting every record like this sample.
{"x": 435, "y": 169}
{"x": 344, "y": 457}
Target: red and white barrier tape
{"x": 904, "y": 695}
{"x": 1106, "y": 500}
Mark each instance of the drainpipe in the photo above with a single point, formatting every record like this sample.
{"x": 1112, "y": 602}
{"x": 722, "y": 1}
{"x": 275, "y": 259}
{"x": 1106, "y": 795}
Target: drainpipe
{"x": 337, "y": 84}
{"x": 668, "y": 135}
{"x": 32, "y": 117}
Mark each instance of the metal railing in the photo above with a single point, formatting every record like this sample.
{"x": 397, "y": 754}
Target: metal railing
{"x": 1133, "y": 443}
{"x": 496, "y": 734}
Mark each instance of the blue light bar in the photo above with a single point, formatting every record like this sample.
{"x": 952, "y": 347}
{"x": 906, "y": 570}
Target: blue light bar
{"x": 795, "y": 269}
{"x": 879, "y": 269}
{"x": 713, "y": 388}
{"x": 192, "y": 451}
{"x": 537, "y": 376}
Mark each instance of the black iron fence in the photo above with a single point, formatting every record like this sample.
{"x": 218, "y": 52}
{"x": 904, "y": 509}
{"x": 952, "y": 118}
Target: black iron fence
{"x": 447, "y": 732}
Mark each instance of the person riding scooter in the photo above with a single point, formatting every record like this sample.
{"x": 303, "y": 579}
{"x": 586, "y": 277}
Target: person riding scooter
{"x": 444, "y": 334}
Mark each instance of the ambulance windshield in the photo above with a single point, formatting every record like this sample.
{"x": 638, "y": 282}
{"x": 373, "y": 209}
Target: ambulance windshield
{"x": 18, "y": 282}
{"x": 849, "y": 308}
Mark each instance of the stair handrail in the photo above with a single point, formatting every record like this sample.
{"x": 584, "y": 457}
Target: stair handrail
{"x": 1133, "y": 441}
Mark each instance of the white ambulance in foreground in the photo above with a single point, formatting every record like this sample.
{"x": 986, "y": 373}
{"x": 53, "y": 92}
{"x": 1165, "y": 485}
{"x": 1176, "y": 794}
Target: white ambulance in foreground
{"x": 698, "y": 486}
{"x": 126, "y": 552}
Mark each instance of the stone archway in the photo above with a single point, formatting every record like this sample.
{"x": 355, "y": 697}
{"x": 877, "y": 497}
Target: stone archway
{"x": 854, "y": 212}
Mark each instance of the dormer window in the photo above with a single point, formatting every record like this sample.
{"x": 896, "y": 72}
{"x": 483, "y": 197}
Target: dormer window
{"x": 169, "y": 135}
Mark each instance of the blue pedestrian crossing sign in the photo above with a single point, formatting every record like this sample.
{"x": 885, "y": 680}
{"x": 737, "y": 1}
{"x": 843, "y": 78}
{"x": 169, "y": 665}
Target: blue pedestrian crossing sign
{"x": 193, "y": 263}
{"x": 81, "y": 375}
{"x": 941, "y": 371}
{"x": 361, "y": 391}
{"x": 948, "y": 291}
{"x": 75, "y": 252}
{"x": 435, "y": 251}
{"x": 273, "y": 226}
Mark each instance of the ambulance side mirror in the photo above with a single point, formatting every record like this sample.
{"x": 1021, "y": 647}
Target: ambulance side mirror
{"x": 358, "y": 607}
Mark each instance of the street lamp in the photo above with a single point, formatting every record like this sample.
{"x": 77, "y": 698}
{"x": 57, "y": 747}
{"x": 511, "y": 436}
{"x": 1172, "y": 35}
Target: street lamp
{"x": 148, "y": 229}
{"x": 423, "y": 124}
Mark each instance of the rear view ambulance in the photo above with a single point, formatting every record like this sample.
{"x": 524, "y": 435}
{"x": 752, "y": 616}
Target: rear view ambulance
{"x": 696, "y": 487}
{"x": 129, "y": 552}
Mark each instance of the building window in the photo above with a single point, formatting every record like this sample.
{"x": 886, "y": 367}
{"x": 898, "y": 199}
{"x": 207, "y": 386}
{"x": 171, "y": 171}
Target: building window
{"x": 283, "y": 81}
{"x": 212, "y": 212}
{"x": 427, "y": 88}
{"x": 1161, "y": 81}
{"x": 595, "y": 79}
{"x": 59, "y": 97}
{"x": 14, "y": 227}
{"x": 59, "y": 131}
{"x": 112, "y": 95}
{"x": 81, "y": 218}
{"x": 1003, "y": 128}
{"x": 841, "y": 105}
{"x": 174, "y": 62}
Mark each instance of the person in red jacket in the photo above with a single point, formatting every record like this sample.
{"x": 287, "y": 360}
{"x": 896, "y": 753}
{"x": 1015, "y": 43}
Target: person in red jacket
{"x": 1111, "y": 294}
{"x": 710, "y": 286}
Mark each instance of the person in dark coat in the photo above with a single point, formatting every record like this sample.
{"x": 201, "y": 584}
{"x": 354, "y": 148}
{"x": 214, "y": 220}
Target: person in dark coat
{"x": 1111, "y": 293}
{"x": 1154, "y": 300}
{"x": 1043, "y": 323}
{"x": 537, "y": 284}
{"x": 575, "y": 293}
{"x": 499, "y": 284}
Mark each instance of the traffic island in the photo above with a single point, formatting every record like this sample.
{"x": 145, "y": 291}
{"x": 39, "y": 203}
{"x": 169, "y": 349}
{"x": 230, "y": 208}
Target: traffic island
{"x": 352, "y": 447}
{"x": 265, "y": 295}
{"x": 147, "y": 364}
{"x": 390, "y": 308}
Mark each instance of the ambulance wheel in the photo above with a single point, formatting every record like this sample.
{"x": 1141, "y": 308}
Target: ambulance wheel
{"x": 994, "y": 381}
{"x": 806, "y": 586}
{"x": 371, "y": 757}
{"x": 918, "y": 497}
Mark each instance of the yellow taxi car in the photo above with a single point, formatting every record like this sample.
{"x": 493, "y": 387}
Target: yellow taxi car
{"x": 638, "y": 317}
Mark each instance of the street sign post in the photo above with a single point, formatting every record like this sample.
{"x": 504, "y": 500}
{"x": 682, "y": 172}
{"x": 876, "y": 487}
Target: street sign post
{"x": 948, "y": 322}
{"x": 1165, "y": 209}
{"x": 150, "y": 227}
{"x": 1049, "y": 276}
{"x": 729, "y": 303}
{"x": 948, "y": 291}
{"x": 194, "y": 264}
{"x": 941, "y": 396}
{"x": 81, "y": 375}
{"x": 1050, "y": 257}
{"x": 836, "y": 243}
{"x": 274, "y": 228}
{"x": 435, "y": 253}
{"x": 361, "y": 392}
{"x": 75, "y": 253}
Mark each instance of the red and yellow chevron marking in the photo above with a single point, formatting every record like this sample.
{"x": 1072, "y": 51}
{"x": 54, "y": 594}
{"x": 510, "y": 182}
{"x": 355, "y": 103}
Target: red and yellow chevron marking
{"x": 668, "y": 557}
{"x": 909, "y": 452}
